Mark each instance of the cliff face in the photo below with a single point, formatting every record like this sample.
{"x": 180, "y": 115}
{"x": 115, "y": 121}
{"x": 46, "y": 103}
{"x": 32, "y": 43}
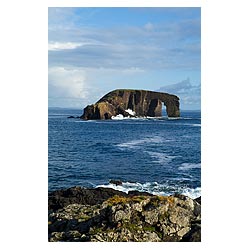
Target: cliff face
{"x": 142, "y": 102}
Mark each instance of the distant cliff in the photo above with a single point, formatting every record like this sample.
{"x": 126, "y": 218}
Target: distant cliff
{"x": 141, "y": 102}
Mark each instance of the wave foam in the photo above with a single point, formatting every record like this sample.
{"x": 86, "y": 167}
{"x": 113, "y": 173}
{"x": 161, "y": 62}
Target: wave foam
{"x": 196, "y": 125}
{"x": 192, "y": 192}
{"x": 192, "y": 124}
{"x": 175, "y": 118}
{"x": 187, "y": 166}
{"x": 160, "y": 158}
{"x": 155, "y": 189}
{"x": 136, "y": 143}
{"x": 130, "y": 111}
{"x": 117, "y": 117}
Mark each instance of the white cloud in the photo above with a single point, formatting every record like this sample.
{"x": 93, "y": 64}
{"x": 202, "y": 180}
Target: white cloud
{"x": 152, "y": 46}
{"x": 78, "y": 87}
{"x": 87, "y": 59}
{"x": 125, "y": 71}
{"x": 190, "y": 95}
{"x": 67, "y": 83}
{"x": 149, "y": 26}
{"x": 63, "y": 45}
{"x": 72, "y": 87}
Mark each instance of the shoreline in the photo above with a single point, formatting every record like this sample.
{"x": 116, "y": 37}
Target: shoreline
{"x": 154, "y": 188}
{"x": 105, "y": 214}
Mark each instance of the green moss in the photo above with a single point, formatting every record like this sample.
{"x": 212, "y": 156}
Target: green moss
{"x": 153, "y": 229}
{"x": 138, "y": 198}
{"x": 149, "y": 228}
{"x": 131, "y": 227}
{"x": 168, "y": 199}
{"x": 123, "y": 200}
{"x": 116, "y": 200}
{"x": 160, "y": 234}
{"x": 100, "y": 230}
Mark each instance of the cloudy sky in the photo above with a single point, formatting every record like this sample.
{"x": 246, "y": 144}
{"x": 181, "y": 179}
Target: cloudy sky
{"x": 95, "y": 50}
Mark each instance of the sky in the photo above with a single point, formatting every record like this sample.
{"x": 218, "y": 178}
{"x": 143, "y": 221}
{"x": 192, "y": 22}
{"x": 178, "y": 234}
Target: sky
{"x": 92, "y": 51}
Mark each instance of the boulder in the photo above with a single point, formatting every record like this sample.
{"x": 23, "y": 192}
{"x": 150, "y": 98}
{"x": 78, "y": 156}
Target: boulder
{"x": 116, "y": 182}
{"x": 194, "y": 234}
{"x": 87, "y": 196}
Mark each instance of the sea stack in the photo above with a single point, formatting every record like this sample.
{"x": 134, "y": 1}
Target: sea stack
{"x": 129, "y": 102}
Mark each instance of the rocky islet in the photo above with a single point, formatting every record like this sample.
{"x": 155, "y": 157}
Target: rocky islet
{"x": 135, "y": 103}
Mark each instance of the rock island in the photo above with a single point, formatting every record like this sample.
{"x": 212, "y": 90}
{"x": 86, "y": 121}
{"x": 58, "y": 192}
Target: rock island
{"x": 132, "y": 103}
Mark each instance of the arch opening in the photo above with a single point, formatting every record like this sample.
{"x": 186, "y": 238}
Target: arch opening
{"x": 164, "y": 109}
{"x": 155, "y": 108}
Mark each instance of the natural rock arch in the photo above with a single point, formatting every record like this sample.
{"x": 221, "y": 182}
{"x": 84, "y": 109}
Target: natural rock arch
{"x": 143, "y": 102}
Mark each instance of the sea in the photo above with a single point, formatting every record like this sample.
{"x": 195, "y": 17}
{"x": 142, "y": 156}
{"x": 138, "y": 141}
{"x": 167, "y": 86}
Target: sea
{"x": 159, "y": 155}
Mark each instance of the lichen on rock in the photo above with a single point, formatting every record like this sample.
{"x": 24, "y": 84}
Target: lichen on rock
{"x": 135, "y": 218}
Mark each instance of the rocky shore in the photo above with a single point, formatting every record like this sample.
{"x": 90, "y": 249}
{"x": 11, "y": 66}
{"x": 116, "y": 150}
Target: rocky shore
{"x": 104, "y": 214}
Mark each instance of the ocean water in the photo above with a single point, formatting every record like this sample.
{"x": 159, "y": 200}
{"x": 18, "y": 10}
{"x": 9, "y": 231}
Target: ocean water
{"x": 158, "y": 155}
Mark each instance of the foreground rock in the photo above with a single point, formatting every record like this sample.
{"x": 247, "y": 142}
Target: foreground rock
{"x": 139, "y": 102}
{"x": 77, "y": 195}
{"x": 124, "y": 218}
{"x": 85, "y": 196}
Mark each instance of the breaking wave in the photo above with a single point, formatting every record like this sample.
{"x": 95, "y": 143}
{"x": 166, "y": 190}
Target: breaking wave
{"x": 130, "y": 111}
{"x": 155, "y": 188}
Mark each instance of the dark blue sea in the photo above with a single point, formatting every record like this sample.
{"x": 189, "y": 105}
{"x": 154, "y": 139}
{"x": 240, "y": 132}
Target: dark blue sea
{"x": 157, "y": 155}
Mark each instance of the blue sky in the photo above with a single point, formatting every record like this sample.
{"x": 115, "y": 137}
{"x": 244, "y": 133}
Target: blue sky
{"x": 95, "y": 50}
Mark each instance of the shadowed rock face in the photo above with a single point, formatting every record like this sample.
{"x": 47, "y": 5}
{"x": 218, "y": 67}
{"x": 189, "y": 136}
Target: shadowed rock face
{"x": 143, "y": 102}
